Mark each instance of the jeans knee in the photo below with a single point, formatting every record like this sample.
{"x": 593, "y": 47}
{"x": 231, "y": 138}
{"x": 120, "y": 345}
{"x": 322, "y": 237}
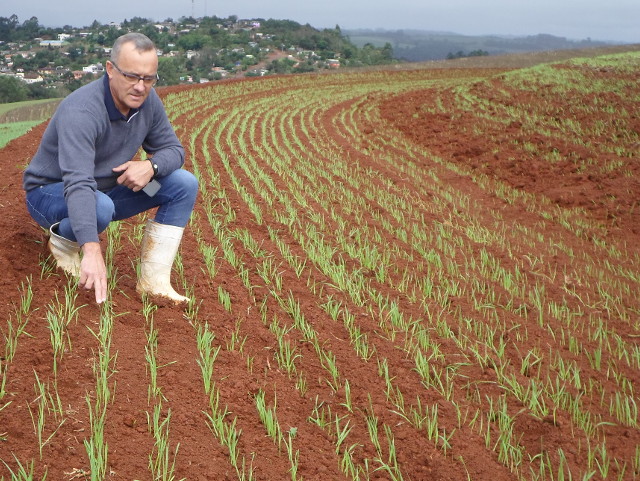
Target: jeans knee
{"x": 105, "y": 211}
{"x": 188, "y": 181}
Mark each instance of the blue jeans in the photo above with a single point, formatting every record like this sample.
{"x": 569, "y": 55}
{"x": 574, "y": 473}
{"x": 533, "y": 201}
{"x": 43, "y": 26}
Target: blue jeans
{"x": 175, "y": 201}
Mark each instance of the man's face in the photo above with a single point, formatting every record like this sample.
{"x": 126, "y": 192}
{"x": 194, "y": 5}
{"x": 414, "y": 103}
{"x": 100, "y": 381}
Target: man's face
{"x": 127, "y": 92}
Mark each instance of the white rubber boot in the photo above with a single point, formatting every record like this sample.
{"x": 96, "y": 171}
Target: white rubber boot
{"x": 159, "y": 248}
{"x": 65, "y": 252}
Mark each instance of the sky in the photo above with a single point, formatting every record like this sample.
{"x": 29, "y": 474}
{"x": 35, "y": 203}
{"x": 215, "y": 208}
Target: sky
{"x": 611, "y": 20}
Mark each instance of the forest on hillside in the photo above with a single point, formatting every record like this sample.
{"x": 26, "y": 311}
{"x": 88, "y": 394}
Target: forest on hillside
{"x": 420, "y": 45}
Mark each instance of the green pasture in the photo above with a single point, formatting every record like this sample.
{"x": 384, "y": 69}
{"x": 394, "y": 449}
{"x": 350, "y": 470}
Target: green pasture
{"x": 13, "y": 130}
{"x": 17, "y": 118}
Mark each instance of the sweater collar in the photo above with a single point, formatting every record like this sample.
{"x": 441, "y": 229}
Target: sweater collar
{"x": 112, "y": 110}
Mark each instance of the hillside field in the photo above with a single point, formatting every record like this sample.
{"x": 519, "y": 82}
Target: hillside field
{"x": 17, "y": 118}
{"x": 426, "y": 274}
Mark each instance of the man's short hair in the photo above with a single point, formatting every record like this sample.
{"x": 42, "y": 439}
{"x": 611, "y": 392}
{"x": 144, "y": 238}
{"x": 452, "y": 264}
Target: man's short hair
{"x": 141, "y": 43}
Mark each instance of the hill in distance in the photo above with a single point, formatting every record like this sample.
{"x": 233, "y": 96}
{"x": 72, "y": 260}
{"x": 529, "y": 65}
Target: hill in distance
{"x": 423, "y": 45}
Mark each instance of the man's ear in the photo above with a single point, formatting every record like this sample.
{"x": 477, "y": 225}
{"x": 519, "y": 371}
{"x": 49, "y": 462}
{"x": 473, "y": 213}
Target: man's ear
{"x": 109, "y": 68}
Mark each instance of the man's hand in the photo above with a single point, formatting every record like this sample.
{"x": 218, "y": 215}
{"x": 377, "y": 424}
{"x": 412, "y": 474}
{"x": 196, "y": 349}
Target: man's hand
{"x": 93, "y": 271}
{"x": 135, "y": 174}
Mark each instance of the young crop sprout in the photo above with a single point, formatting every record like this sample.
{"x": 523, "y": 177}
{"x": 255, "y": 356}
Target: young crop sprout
{"x": 193, "y": 305}
{"x": 150, "y": 350}
{"x": 207, "y": 355}
{"x": 225, "y": 298}
{"x": 46, "y": 404}
{"x": 294, "y": 457}
{"x": 269, "y": 418}
{"x": 286, "y": 355}
{"x": 23, "y": 473}
{"x": 96, "y": 445}
{"x": 161, "y": 461}
{"x": 237, "y": 340}
{"x": 228, "y": 435}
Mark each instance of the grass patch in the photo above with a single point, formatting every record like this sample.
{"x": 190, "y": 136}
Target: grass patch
{"x": 40, "y": 108}
{"x": 17, "y": 118}
{"x": 13, "y": 130}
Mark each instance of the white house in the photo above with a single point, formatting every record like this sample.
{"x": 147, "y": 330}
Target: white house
{"x": 51, "y": 43}
{"x": 94, "y": 69}
{"x": 32, "y": 78}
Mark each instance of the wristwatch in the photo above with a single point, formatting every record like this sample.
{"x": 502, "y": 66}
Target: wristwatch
{"x": 155, "y": 167}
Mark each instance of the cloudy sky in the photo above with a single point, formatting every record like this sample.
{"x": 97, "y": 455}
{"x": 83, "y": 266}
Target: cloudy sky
{"x": 615, "y": 20}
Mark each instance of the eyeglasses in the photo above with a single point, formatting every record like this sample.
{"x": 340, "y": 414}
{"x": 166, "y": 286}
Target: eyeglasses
{"x": 132, "y": 78}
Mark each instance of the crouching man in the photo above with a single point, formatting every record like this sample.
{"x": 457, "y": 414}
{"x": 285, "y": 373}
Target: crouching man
{"x": 83, "y": 177}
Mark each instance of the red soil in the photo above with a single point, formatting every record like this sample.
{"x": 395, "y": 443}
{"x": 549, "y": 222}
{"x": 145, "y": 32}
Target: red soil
{"x": 200, "y": 456}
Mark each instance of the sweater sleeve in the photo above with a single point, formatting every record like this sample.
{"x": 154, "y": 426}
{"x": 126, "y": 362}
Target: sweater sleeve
{"x": 78, "y": 133}
{"x": 162, "y": 141}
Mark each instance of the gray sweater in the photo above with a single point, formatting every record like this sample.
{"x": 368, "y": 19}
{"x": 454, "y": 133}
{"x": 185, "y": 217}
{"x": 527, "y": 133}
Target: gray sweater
{"x": 87, "y": 137}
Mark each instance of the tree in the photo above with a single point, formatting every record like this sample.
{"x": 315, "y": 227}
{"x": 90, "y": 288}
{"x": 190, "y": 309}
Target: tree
{"x": 150, "y": 31}
{"x": 38, "y": 91}
{"x": 12, "y": 89}
{"x": 169, "y": 70}
{"x": 111, "y": 35}
{"x": 44, "y": 58}
{"x": 8, "y": 27}
{"x": 387, "y": 52}
{"x": 30, "y": 29}
{"x": 193, "y": 41}
{"x": 76, "y": 52}
{"x": 136, "y": 22}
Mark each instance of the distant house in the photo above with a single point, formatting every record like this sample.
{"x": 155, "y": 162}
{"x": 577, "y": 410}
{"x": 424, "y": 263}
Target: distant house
{"x": 333, "y": 63}
{"x": 94, "y": 69}
{"x": 248, "y": 24}
{"x": 47, "y": 70}
{"x": 31, "y": 78}
{"x": 52, "y": 43}
{"x": 165, "y": 27}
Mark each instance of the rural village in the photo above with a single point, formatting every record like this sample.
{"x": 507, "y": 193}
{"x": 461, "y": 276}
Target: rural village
{"x": 190, "y": 51}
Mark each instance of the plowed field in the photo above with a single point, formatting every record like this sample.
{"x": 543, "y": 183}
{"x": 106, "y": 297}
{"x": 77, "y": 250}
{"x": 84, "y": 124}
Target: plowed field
{"x": 428, "y": 274}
